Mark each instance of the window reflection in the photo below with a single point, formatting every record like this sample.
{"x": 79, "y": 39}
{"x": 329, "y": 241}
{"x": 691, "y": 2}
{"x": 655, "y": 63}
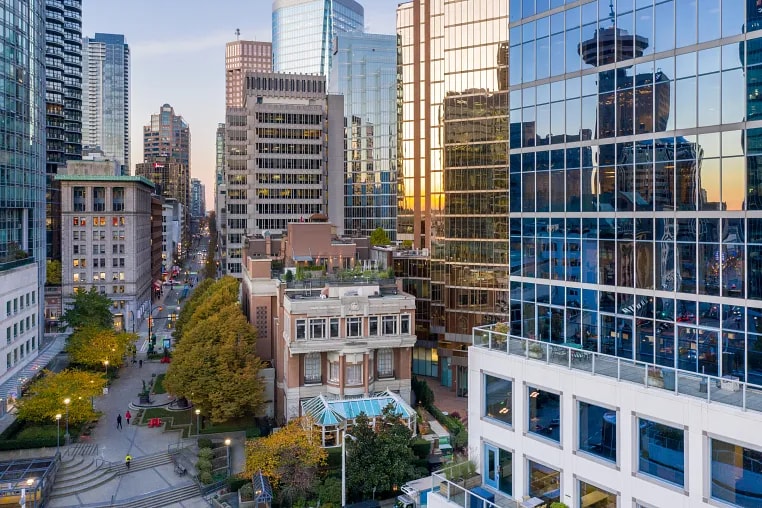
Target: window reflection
{"x": 736, "y": 473}
{"x": 544, "y": 413}
{"x": 544, "y": 482}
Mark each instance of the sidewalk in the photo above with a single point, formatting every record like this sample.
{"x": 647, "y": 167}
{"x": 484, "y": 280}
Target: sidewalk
{"x": 446, "y": 400}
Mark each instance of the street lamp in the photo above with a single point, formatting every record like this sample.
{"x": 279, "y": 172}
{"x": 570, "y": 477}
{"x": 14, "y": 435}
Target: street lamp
{"x": 227, "y": 453}
{"x": 92, "y": 397}
{"x": 105, "y": 365}
{"x": 344, "y": 467}
{"x": 58, "y": 433}
{"x": 67, "y": 401}
{"x": 198, "y": 422}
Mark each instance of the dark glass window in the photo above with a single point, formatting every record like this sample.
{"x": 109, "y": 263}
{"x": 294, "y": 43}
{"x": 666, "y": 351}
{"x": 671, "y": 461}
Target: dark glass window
{"x": 498, "y": 399}
{"x": 597, "y": 430}
{"x": 544, "y": 413}
{"x": 661, "y": 451}
{"x": 544, "y": 482}
{"x": 736, "y": 474}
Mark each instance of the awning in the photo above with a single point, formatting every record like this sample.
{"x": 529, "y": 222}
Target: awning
{"x": 302, "y": 258}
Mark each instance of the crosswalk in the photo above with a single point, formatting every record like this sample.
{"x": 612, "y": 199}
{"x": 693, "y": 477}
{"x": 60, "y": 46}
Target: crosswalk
{"x": 11, "y": 386}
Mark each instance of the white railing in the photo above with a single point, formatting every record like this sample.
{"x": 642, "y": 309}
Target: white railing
{"x": 726, "y": 390}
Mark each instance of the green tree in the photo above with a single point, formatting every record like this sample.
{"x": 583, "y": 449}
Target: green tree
{"x": 215, "y": 362}
{"x": 91, "y": 346}
{"x": 90, "y": 308}
{"x": 379, "y": 237}
{"x": 190, "y": 306}
{"x": 53, "y": 272}
{"x": 45, "y": 397}
{"x": 382, "y": 458}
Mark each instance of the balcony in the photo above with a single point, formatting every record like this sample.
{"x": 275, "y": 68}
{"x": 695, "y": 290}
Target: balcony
{"x": 723, "y": 390}
{"x": 450, "y": 491}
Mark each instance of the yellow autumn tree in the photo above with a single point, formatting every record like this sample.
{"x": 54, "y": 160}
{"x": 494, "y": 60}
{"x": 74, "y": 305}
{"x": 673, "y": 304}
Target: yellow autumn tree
{"x": 92, "y": 346}
{"x": 45, "y": 397}
{"x": 290, "y": 458}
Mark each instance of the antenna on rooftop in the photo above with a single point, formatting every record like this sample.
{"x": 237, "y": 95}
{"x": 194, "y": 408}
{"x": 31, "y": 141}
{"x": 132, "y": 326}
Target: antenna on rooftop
{"x": 237, "y": 33}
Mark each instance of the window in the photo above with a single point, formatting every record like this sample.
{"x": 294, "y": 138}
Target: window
{"x": 498, "y": 399}
{"x": 8, "y": 335}
{"x": 590, "y": 495}
{"x": 334, "y": 327}
{"x": 662, "y": 451}
{"x": 312, "y": 368}
{"x": 373, "y": 325}
{"x": 33, "y": 296}
{"x": 390, "y": 325}
{"x": 385, "y": 363}
{"x": 333, "y": 372}
{"x": 8, "y": 308}
{"x": 736, "y": 473}
{"x": 405, "y": 324}
{"x": 78, "y": 199}
{"x": 544, "y": 482}
{"x": 301, "y": 329}
{"x": 99, "y": 199}
{"x": 317, "y": 328}
{"x": 354, "y": 374}
{"x": 353, "y": 326}
{"x": 544, "y": 413}
{"x": 597, "y": 430}
{"x": 117, "y": 199}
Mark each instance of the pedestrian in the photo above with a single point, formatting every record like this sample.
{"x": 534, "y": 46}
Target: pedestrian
{"x": 119, "y": 421}
{"x": 140, "y": 363}
{"x": 127, "y": 460}
{"x": 127, "y": 415}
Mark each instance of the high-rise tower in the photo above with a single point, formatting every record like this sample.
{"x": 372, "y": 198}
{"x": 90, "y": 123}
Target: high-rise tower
{"x": 106, "y": 97}
{"x": 303, "y": 32}
{"x": 22, "y": 188}
{"x": 63, "y": 92}
{"x": 241, "y": 57}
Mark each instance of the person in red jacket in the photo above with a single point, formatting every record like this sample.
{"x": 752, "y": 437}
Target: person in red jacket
{"x": 128, "y": 416}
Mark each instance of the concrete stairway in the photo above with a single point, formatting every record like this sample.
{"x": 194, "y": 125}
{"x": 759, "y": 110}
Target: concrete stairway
{"x": 164, "y": 497}
{"x": 80, "y": 473}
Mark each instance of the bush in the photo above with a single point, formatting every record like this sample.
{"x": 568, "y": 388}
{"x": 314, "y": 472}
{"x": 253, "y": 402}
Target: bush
{"x": 204, "y": 442}
{"x": 203, "y": 465}
{"x": 205, "y": 477}
{"x": 42, "y": 432}
{"x": 246, "y": 492}
{"x": 421, "y": 448}
{"x": 334, "y": 458}
{"x": 235, "y": 483}
{"x": 205, "y": 453}
{"x": 423, "y": 394}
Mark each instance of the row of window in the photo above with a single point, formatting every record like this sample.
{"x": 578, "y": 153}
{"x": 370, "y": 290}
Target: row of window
{"x": 101, "y": 289}
{"x": 384, "y": 368}
{"x": 18, "y": 303}
{"x": 98, "y": 221}
{"x": 735, "y": 472}
{"x": 12, "y": 358}
{"x": 82, "y": 277}
{"x": 98, "y": 199}
{"x": 322, "y": 328}
{"x": 26, "y": 324}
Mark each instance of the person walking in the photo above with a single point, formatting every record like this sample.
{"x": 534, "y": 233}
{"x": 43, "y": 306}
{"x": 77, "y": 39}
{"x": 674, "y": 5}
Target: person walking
{"x": 119, "y": 421}
{"x": 140, "y": 363}
{"x": 127, "y": 461}
{"x": 127, "y": 415}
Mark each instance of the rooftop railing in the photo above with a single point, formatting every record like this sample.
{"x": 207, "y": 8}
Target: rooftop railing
{"x": 725, "y": 390}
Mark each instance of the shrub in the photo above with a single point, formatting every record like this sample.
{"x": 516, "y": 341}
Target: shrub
{"x": 246, "y": 492}
{"x": 204, "y": 442}
{"x": 206, "y": 453}
{"x": 205, "y": 477}
{"x": 42, "y": 432}
{"x": 423, "y": 394}
{"x": 235, "y": 483}
{"x": 421, "y": 448}
{"x": 203, "y": 465}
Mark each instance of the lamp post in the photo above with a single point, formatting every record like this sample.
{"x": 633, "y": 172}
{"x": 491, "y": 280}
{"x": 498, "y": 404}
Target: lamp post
{"x": 105, "y": 365}
{"x": 92, "y": 397}
{"x": 227, "y": 453}
{"x": 58, "y": 433}
{"x": 198, "y": 422}
{"x": 344, "y": 467}
{"x": 67, "y": 401}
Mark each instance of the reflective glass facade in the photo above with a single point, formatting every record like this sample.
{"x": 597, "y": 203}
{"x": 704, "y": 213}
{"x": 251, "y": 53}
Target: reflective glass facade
{"x": 106, "y": 89}
{"x": 303, "y": 32}
{"x": 636, "y": 179}
{"x": 364, "y": 71}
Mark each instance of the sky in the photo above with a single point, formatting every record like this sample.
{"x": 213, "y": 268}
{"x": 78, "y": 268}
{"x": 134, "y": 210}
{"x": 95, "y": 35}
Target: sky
{"x": 177, "y": 50}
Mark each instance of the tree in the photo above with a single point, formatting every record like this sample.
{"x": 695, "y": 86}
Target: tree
{"x": 215, "y": 362}
{"x": 290, "y": 458}
{"x": 190, "y": 306}
{"x": 382, "y": 458}
{"x": 379, "y": 237}
{"x": 45, "y": 397}
{"x": 53, "y": 272}
{"x": 90, "y": 308}
{"x": 91, "y": 346}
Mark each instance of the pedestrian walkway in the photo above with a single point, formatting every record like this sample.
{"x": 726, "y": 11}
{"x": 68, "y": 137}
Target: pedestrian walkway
{"x": 446, "y": 400}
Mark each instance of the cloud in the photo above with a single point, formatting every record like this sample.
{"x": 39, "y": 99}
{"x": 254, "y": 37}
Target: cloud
{"x": 184, "y": 45}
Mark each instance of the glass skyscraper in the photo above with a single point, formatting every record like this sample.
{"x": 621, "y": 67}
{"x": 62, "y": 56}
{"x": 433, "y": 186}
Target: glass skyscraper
{"x": 303, "y": 32}
{"x": 364, "y": 71}
{"x": 106, "y": 97}
{"x": 635, "y": 180}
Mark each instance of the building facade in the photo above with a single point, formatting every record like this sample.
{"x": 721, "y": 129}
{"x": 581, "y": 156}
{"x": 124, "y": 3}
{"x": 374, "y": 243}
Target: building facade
{"x": 364, "y": 72}
{"x": 198, "y": 199}
{"x": 106, "y": 97}
{"x": 168, "y": 136}
{"x": 220, "y": 193}
{"x": 22, "y": 186}
{"x": 303, "y": 31}
{"x": 279, "y": 157}
{"x": 240, "y": 58}
{"x": 157, "y": 244}
{"x": 63, "y": 96}
{"x": 171, "y": 228}
{"x": 107, "y": 240}
{"x": 453, "y": 183}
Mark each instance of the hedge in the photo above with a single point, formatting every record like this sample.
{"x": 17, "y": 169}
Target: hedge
{"x": 22, "y": 444}
{"x": 421, "y": 448}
